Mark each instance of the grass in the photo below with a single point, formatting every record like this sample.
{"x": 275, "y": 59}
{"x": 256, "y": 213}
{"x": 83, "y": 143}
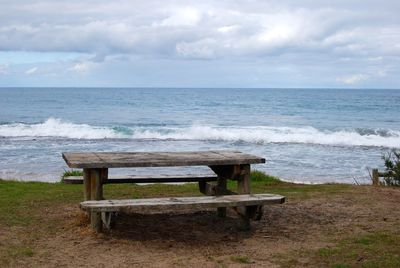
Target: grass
{"x": 21, "y": 201}
{"x": 71, "y": 173}
{"x": 379, "y": 249}
{"x": 376, "y": 249}
{"x": 25, "y": 206}
{"x": 259, "y": 176}
{"x": 242, "y": 259}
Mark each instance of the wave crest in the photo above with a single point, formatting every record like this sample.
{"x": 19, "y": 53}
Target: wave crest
{"x": 252, "y": 134}
{"x": 54, "y": 127}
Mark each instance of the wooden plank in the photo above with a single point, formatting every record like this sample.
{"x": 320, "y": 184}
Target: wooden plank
{"x": 163, "y": 204}
{"x": 87, "y": 182}
{"x": 96, "y": 194}
{"x": 212, "y": 189}
{"x": 158, "y": 178}
{"x": 157, "y": 159}
{"x": 375, "y": 177}
{"x": 243, "y": 179}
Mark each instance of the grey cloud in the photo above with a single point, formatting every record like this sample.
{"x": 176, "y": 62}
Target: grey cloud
{"x": 343, "y": 41}
{"x": 193, "y": 30}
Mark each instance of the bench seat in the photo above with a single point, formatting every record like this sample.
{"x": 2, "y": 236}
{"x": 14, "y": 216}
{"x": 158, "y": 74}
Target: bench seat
{"x": 163, "y": 178}
{"x": 162, "y": 204}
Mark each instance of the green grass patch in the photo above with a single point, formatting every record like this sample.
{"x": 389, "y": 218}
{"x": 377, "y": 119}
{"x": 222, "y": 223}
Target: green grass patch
{"x": 242, "y": 259}
{"x": 378, "y": 249}
{"x": 259, "y": 176}
{"x": 71, "y": 173}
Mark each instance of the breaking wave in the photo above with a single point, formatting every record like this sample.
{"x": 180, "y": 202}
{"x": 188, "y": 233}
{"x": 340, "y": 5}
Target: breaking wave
{"x": 252, "y": 134}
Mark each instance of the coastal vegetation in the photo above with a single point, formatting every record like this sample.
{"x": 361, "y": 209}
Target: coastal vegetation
{"x": 392, "y": 165}
{"x": 71, "y": 173}
{"x": 324, "y": 225}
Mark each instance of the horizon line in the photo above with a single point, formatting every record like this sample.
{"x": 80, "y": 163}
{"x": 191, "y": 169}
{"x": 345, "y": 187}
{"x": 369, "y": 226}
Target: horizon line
{"x": 155, "y": 87}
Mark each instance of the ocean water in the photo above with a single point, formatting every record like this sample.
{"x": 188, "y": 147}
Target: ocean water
{"x": 306, "y": 135}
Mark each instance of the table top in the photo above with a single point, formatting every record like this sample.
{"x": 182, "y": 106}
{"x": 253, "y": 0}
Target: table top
{"x": 157, "y": 159}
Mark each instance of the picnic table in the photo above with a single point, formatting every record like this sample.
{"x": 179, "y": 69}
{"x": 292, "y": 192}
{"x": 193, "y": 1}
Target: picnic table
{"x": 227, "y": 165}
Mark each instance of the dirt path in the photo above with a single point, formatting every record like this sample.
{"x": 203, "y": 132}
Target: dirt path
{"x": 200, "y": 239}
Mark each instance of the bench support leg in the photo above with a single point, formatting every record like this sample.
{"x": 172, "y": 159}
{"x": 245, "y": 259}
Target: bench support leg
{"x": 95, "y": 221}
{"x": 221, "y": 186}
{"x": 249, "y": 213}
{"x": 223, "y": 173}
{"x": 108, "y": 219}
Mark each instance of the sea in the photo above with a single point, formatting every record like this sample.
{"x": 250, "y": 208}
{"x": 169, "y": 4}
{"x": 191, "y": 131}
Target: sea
{"x": 305, "y": 135}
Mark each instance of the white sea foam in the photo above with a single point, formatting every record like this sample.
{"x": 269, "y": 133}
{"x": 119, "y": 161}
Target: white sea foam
{"x": 252, "y": 134}
{"x": 53, "y": 127}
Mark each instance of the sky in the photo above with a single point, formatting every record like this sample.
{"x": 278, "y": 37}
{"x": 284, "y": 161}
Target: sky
{"x": 160, "y": 43}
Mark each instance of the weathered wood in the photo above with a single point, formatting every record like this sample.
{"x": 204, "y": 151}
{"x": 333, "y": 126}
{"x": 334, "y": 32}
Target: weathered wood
{"x": 173, "y": 204}
{"x": 242, "y": 174}
{"x": 212, "y": 189}
{"x": 224, "y": 172}
{"x": 87, "y": 184}
{"x": 104, "y": 175}
{"x": 107, "y": 218}
{"x": 228, "y": 165}
{"x": 157, "y": 178}
{"x": 96, "y": 184}
{"x": 95, "y": 221}
{"x": 375, "y": 177}
{"x": 96, "y": 194}
{"x": 157, "y": 159}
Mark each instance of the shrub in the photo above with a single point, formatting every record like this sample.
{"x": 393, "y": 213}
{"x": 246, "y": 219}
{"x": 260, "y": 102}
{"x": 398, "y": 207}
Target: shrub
{"x": 392, "y": 164}
{"x": 69, "y": 173}
{"x": 259, "y": 176}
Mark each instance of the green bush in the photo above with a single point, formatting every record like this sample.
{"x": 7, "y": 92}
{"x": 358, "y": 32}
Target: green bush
{"x": 70, "y": 173}
{"x": 392, "y": 164}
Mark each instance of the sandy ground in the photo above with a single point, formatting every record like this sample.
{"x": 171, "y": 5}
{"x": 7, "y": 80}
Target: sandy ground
{"x": 200, "y": 239}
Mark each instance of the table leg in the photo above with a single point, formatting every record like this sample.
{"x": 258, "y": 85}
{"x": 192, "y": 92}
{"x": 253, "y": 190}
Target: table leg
{"x": 221, "y": 186}
{"x": 243, "y": 187}
{"x": 243, "y": 179}
{"x": 104, "y": 175}
{"x": 224, "y": 173}
{"x": 96, "y": 191}
{"x": 86, "y": 183}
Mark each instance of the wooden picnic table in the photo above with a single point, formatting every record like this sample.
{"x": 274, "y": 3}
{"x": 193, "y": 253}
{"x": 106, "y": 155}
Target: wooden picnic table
{"x": 227, "y": 165}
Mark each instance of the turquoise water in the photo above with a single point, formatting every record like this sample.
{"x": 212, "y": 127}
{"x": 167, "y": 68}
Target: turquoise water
{"x": 306, "y": 135}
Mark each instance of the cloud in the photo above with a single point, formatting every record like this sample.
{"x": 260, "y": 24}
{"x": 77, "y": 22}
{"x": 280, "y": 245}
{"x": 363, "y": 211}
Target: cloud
{"x": 257, "y": 37}
{"x": 83, "y": 67}
{"x": 353, "y": 79}
{"x": 31, "y": 71}
{"x": 181, "y": 17}
{"x": 252, "y": 29}
{"x": 4, "y": 69}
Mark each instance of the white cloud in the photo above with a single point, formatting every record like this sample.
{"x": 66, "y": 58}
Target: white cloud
{"x": 228, "y": 29}
{"x": 4, "y": 69}
{"x": 353, "y": 79}
{"x": 187, "y": 16}
{"x": 83, "y": 67}
{"x": 31, "y": 71}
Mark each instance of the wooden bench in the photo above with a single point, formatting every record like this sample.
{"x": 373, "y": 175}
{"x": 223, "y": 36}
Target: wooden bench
{"x": 227, "y": 165}
{"x": 156, "y": 178}
{"x": 253, "y": 203}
